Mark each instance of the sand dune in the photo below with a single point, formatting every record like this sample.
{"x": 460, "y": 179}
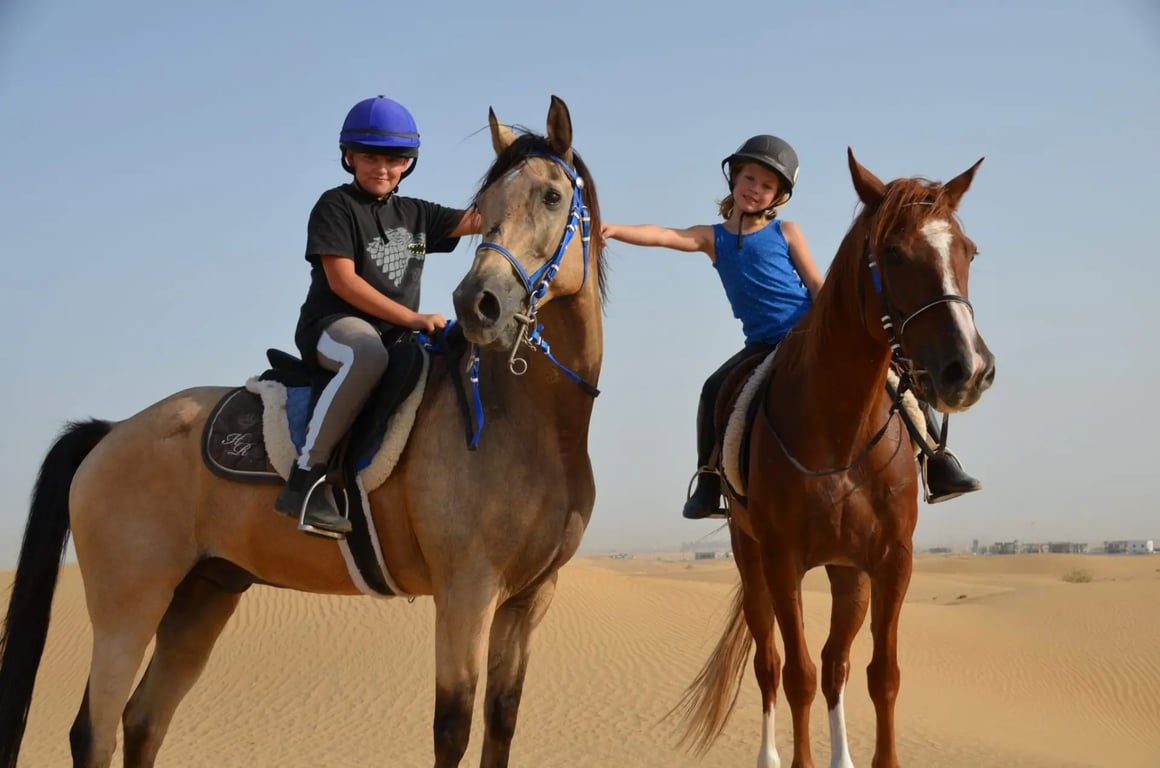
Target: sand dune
{"x": 1003, "y": 664}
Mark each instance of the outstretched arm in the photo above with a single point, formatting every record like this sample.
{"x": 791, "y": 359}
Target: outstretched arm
{"x": 690, "y": 240}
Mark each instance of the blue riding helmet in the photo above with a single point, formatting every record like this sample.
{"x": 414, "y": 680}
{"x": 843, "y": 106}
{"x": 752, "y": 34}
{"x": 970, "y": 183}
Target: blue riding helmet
{"x": 380, "y": 126}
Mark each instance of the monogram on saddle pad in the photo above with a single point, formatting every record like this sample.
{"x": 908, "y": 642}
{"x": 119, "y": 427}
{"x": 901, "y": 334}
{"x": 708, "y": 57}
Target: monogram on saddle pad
{"x": 737, "y": 408}
{"x": 256, "y": 432}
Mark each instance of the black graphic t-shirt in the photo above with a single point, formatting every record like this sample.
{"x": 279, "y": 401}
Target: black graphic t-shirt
{"x": 387, "y": 240}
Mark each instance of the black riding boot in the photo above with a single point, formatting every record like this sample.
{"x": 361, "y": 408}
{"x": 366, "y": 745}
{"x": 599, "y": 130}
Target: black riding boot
{"x": 705, "y": 500}
{"x": 945, "y": 478}
{"x": 308, "y": 487}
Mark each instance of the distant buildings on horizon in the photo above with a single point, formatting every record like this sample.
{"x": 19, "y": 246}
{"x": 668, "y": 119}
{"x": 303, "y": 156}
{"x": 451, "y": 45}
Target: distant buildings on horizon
{"x": 1117, "y": 547}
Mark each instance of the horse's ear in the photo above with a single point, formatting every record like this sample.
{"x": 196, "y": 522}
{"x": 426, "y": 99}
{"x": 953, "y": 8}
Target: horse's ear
{"x": 502, "y": 137}
{"x": 958, "y": 186}
{"x": 869, "y": 187}
{"x": 560, "y": 129}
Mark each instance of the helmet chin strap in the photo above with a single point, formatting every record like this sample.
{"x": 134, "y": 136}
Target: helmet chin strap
{"x": 741, "y": 223}
{"x": 741, "y": 227}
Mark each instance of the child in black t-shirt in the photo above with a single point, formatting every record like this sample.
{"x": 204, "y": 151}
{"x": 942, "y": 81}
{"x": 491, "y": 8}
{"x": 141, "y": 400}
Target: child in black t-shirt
{"x": 366, "y": 246}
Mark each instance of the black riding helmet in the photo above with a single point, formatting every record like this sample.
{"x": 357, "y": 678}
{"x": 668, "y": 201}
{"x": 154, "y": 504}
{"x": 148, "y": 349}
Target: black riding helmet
{"x": 770, "y": 152}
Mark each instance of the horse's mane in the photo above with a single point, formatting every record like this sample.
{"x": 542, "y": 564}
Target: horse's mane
{"x": 905, "y": 200}
{"x": 527, "y": 145}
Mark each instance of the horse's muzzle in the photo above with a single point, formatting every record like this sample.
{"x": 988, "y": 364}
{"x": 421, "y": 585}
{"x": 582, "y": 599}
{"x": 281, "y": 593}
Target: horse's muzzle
{"x": 486, "y": 307}
{"x": 955, "y": 376}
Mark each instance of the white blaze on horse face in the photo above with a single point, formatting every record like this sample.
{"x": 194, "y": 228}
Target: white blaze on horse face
{"x": 839, "y": 745}
{"x": 767, "y": 756}
{"x": 938, "y": 233}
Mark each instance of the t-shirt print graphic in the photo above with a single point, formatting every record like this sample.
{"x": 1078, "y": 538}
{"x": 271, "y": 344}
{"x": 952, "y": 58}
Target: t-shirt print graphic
{"x": 393, "y": 256}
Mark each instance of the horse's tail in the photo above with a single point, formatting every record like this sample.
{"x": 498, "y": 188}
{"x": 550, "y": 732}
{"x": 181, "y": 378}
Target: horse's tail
{"x": 708, "y": 702}
{"x": 30, "y": 605}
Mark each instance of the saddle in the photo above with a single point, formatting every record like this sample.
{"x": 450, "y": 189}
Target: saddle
{"x": 255, "y": 432}
{"x": 733, "y": 416}
{"x": 245, "y": 441}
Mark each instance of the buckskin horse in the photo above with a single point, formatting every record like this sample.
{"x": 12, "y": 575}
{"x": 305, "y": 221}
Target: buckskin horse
{"x": 166, "y": 547}
{"x": 831, "y": 475}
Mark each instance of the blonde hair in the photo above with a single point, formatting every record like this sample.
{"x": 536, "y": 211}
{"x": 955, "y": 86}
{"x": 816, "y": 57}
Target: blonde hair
{"x": 725, "y": 206}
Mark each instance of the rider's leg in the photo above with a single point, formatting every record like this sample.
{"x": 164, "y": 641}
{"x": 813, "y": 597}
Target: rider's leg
{"x": 353, "y": 349}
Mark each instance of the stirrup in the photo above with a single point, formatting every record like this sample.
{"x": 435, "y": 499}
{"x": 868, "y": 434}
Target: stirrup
{"x": 693, "y": 480}
{"x": 922, "y": 462}
{"x": 719, "y": 514}
{"x": 325, "y": 533}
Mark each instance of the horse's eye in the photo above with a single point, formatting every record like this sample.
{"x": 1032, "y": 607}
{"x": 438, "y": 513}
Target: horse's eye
{"x": 552, "y": 197}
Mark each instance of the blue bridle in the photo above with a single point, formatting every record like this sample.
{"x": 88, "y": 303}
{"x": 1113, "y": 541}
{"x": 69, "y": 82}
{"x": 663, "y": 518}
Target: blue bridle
{"x": 536, "y": 284}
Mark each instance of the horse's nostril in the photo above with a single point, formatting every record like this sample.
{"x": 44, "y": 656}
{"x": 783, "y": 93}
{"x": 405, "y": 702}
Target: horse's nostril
{"x": 953, "y": 375}
{"x": 989, "y": 376}
{"x": 487, "y": 307}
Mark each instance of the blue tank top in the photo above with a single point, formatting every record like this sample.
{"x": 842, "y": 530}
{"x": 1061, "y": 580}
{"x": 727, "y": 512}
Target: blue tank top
{"x": 763, "y": 287}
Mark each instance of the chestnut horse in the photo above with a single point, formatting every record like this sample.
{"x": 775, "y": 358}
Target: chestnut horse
{"x": 166, "y": 547}
{"x": 832, "y": 476}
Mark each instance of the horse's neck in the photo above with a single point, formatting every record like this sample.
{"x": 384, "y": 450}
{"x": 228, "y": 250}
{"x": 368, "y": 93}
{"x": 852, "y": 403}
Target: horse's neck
{"x": 846, "y": 364}
{"x": 574, "y": 327}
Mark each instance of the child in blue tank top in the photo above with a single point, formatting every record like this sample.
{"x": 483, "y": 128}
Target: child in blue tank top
{"x": 770, "y": 280}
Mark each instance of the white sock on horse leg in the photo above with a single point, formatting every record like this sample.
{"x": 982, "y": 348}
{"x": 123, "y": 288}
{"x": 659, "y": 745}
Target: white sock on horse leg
{"x": 767, "y": 756}
{"x": 839, "y": 745}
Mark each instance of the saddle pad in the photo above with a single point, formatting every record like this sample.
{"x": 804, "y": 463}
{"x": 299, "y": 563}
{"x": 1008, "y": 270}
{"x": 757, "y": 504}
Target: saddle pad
{"x": 256, "y": 433}
{"x": 735, "y": 428}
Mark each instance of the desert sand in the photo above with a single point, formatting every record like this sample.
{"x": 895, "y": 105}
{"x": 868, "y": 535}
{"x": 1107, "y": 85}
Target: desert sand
{"x": 1004, "y": 663}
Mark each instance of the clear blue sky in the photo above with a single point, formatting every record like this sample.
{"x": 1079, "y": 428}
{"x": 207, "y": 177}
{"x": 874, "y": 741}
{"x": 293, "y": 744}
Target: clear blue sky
{"x": 158, "y": 161}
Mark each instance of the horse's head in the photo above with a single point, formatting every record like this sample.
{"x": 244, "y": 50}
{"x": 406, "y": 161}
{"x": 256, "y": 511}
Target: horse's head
{"x": 535, "y": 204}
{"x": 919, "y": 261}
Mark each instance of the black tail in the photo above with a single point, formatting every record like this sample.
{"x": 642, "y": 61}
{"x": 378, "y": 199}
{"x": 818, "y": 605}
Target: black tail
{"x": 30, "y": 606}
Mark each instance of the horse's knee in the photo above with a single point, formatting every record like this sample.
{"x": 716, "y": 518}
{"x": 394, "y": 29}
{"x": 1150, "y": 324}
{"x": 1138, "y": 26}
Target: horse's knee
{"x": 800, "y": 680}
{"x": 502, "y": 714}
{"x": 767, "y": 667}
{"x": 452, "y": 724}
{"x": 141, "y": 741}
{"x": 883, "y": 678}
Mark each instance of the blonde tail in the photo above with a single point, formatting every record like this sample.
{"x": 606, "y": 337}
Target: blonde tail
{"x": 708, "y": 702}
